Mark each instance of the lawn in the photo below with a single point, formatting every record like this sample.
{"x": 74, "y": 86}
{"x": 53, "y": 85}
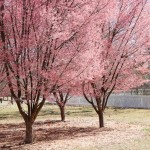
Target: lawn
{"x": 125, "y": 129}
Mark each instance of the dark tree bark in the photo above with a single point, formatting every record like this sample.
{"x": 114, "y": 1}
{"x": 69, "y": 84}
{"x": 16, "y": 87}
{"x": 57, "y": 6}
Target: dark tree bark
{"x": 98, "y": 101}
{"x": 62, "y": 112}
{"x": 101, "y": 119}
{"x": 61, "y": 100}
{"x": 29, "y": 117}
{"x": 29, "y": 133}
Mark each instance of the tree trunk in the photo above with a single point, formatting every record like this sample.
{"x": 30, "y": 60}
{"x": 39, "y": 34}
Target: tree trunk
{"x": 101, "y": 119}
{"x": 29, "y": 134}
{"x": 62, "y": 111}
{"x": 11, "y": 100}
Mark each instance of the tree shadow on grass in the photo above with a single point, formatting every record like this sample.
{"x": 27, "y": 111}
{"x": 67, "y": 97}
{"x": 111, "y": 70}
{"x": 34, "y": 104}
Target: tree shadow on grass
{"x": 12, "y": 135}
{"x": 67, "y": 133}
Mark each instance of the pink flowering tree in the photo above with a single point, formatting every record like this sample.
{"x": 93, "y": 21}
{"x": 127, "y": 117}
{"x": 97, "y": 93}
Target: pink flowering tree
{"x": 61, "y": 98}
{"x": 120, "y": 45}
{"x": 63, "y": 94}
{"x": 41, "y": 47}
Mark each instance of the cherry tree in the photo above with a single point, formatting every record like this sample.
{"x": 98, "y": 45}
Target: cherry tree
{"x": 61, "y": 98}
{"x": 63, "y": 94}
{"x": 120, "y": 52}
{"x": 41, "y": 47}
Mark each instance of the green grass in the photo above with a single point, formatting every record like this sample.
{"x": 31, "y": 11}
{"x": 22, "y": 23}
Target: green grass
{"x": 10, "y": 114}
{"x": 52, "y": 111}
{"x": 140, "y": 116}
